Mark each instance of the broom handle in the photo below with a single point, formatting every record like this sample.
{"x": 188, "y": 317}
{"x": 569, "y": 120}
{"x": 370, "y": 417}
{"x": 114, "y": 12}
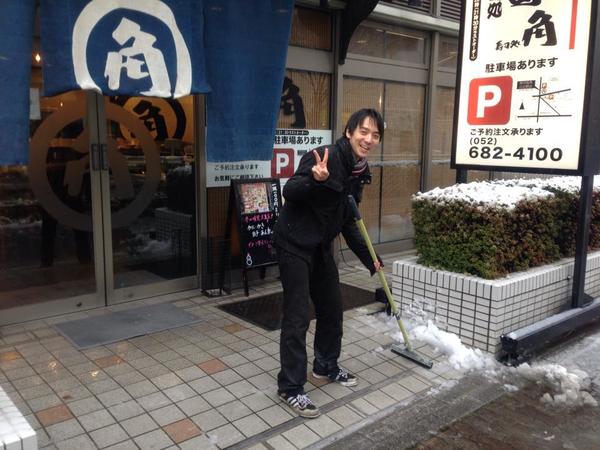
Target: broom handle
{"x": 386, "y": 288}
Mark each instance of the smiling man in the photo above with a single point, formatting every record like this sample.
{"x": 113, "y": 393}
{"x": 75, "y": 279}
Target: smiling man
{"x": 316, "y": 210}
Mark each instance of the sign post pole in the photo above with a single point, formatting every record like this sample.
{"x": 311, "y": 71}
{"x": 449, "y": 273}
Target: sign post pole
{"x": 580, "y": 298}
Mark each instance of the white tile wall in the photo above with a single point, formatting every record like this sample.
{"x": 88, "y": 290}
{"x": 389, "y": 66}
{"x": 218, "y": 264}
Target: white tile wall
{"x": 479, "y": 311}
{"x": 15, "y": 432}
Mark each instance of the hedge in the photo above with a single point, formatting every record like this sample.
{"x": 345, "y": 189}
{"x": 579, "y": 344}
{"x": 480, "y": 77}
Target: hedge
{"x": 490, "y": 229}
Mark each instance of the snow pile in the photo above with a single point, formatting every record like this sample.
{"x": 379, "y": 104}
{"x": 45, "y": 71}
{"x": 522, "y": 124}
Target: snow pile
{"x": 503, "y": 194}
{"x": 568, "y": 387}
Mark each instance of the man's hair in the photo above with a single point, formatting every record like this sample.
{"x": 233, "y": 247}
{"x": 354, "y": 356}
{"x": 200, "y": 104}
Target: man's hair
{"x": 359, "y": 116}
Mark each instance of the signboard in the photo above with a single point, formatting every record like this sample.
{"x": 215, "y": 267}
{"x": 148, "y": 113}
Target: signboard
{"x": 290, "y": 145}
{"x": 523, "y": 73}
{"x": 256, "y": 205}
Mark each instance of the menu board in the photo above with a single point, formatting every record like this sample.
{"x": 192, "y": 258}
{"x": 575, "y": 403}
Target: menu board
{"x": 257, "y": 204}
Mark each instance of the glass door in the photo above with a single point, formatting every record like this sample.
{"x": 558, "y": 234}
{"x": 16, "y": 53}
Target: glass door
{"x": 151, "y": 181}
{"x": 49, "y": 215}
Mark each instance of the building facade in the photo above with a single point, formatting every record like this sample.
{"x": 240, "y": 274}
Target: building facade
{"x": 117, "y": 202}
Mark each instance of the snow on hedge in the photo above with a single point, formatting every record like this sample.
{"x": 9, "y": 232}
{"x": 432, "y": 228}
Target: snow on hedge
{"x": 503, "y": 194}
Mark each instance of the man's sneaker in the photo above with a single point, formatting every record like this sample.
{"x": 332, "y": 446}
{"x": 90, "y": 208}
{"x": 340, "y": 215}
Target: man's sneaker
{"x": 301, "y": 404}
{"x": 338, "y": 375}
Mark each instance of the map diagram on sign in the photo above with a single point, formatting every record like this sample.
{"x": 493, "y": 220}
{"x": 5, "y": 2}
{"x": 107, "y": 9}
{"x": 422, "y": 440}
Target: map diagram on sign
{"x": 539, "y": 99}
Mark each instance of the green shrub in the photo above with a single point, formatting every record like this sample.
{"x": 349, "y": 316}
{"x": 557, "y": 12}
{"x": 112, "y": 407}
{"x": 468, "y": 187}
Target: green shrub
{"x": 480, "y": 238}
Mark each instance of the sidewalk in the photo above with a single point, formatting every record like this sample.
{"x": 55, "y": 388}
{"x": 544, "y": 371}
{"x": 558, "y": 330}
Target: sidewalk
{"x": 209, "y": 385}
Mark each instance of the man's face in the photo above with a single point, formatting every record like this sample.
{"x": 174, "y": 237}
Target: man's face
{"x": 364, "y": 137}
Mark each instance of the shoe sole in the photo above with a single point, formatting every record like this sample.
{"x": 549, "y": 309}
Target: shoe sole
{"x": 306, "y": 415}
{"x": 343, "y": 383}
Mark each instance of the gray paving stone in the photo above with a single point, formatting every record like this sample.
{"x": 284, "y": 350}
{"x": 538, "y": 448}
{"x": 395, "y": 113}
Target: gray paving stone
{"x": 47, "y": 401}
{"x": 154, "y": 440}
{"x": 344, "y": 416}
{"x": 281, "y": 443}
{"x": 141, "y": 388}
{"x": 218, "y": 397}
{"x": 225, "y": 436}
{"x": 167, "y": 414}
{"x": 364, "y": 407}
{"x": 201, "y": 442}
{"x": 209, "y": 420}
{"x": 413, "y": 384}
{"x": 126, "y": 410}
{"x": 379, "y": 399}
{"x": 107, "y": 436}
{"x": 95, "y": 420}
{"x": 81, "y": 442}
{"x": 166, "y": 381}
{"x": 179, "y": 393}
{"x": 323, "y": 425}
{"x": 139, "y": 425}
{"x": 125, "y": 445}
{"x": 64, "y": 430}
{"x": 275, "y": 415}
{"x": 190, "y": 373}
{"x": 114, "y": 397}
{"x": 258, "y": 401}
{"x": 193, "y": 405}
{"x": 251, "y": 425}
{"x": 301, "y": 436}
{"x": 204, "y": 384}
{"x": 396, "y": 391}
{"x": 234, "y": 410}
{"x": 154, "y": 401}
{"x": 226, "y": 377}
{"x": 241, "y": 389}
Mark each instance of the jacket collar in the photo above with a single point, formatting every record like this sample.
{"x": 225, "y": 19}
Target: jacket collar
{"x": 346, "y": 151}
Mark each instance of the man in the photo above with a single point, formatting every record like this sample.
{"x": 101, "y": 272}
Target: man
{"x": 316, "y": 210}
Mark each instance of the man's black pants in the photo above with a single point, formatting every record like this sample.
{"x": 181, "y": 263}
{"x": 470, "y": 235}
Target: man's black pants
{"x": 303, "y": 280}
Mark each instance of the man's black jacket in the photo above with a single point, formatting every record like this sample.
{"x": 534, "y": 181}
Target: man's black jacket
{"x": 315, "y": 212}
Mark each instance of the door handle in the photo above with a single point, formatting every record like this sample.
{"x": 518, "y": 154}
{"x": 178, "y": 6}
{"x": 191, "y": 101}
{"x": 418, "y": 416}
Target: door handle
{"x": 95, "y": 157}
{"x": 103, "y": 157}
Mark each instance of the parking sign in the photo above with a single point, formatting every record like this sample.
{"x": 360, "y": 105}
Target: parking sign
{"x": 523, "y": 85}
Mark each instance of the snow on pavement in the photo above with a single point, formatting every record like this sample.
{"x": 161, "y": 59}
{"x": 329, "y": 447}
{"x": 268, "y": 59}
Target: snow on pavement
{"x": 566, "y": 387}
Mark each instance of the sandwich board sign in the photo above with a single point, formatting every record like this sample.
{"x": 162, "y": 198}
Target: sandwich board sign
{"x": 526, "y": 70}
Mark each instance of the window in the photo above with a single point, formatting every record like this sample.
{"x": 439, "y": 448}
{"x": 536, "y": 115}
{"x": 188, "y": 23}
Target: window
{"x": 305, "y": 100}
{"x": 394, "y": 43}
{"x": 311, "y": 29}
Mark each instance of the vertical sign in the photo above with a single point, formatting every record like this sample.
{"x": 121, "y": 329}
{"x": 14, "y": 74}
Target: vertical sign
{"x": 520, "y": 102}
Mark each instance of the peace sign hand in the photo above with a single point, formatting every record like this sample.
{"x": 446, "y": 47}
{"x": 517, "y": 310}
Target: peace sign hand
{"x": 319, "y": 170}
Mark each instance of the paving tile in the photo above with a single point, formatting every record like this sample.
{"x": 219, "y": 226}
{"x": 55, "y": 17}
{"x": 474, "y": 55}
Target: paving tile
{"x": 156, "y": 439}
{"x": 10, "y": 356}
{"x": 234, "y": 410}
{"x": 64, "y": 430}
{"x": 213, "y": 366}
{"x": 241, "y": 389}
{"x": 201, "y": 442}
{"x": 190, "y": 373}
{"x": 154, "y": 401}
{"x": 81, "y": 442}
{"x": 107, "y": 436}
{"x": 209, "y": 420}
{"x": 95, "y": 420}
{"x": 301, "y": 436}
{"x": 234, "y": 328}
{"x": 344, "y": 416}
{"x": 108, "y": 361}
{"x": 226, "y": 377}
{"x": 323, "y": 425}
{"x": 258, "y": 401}
{"x": 337, "y": 391}
{"x": 154, "y": 371}
{"x": 364, "y": 407}
{"x": 379, "y": 399}
{"x": 139, "y": 425}
{"x": 281, "y": 443}
{"x": 45, "y": 402}
{"x": 193, "y": 405}
{"x": 126, "y": 410}
{"x": 251, "y": 425}
{"x": 166, "y": 381}
{"x": 204, "y": 384}
{"x": 248, "y": 370}
{"x": 179, "y": 393}
{"x": 125, "y": 445}
{"x": 218, "y": 397}
{"x": 225, "y": 436}
{"x": 54, "y": 415}
{"x": 182, "y": 430}
{"x": 275, "y": 415}
{"x": 396, "y": 391}
{"x": 129, "y": 378}
{"x": 413, "y": 384}
{"x": 167, "y": 414}
{"x": 141, "y": 388}
{"x": 114, "y": 397}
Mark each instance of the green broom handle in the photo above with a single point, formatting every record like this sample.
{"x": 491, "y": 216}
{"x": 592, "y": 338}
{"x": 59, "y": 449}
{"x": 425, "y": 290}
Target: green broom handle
{"x": 388, "y": 294}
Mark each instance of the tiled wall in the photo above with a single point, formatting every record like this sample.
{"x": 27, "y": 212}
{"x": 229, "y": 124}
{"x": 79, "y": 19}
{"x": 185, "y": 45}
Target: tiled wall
{"x": 15, "y": 432}
{"x": 479, "y": 311}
